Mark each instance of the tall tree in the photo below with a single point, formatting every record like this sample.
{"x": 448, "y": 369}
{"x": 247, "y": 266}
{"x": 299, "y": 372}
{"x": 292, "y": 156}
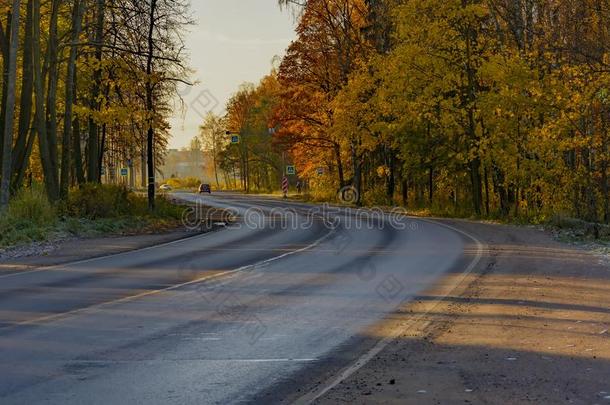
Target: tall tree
{"x": 66, "y": 153}
{"x": 50, "y": 170}
{"x": 150, "y": 86}
{"x": 212, "y": 132}
{"x": 93, "y": 143}
{"x": 26, "y": 136}
{"x": 6, "y": 172}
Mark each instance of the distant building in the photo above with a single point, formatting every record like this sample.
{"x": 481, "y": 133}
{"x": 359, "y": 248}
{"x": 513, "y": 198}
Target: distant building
{"x": 186, "y": 163}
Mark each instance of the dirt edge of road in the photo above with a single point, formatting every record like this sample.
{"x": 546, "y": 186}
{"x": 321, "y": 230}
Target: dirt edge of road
{"x": 73, "y": 250}
{"x": 528, "y": 325}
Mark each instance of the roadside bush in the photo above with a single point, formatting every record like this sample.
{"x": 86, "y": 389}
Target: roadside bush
{"x": 90, "y": 210}
{"x": 16, "y": 233}
{"x": 376, "y": 197}
{"x": 29, "y": 217}
{"x": 32, "y": 206}
{"x": 185, "y": 183}
{"x": 322, "y": 189}
{"x": 94, "y": 201}
{"x": 164, "y": 208}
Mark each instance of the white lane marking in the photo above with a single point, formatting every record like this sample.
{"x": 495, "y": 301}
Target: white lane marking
{"x": 165, "y": 361}
{"x": 54, "y": 317}
{"x": 270, "y": 360}
{"x": 207, "y": 339}
{"x": 344, "y": 374}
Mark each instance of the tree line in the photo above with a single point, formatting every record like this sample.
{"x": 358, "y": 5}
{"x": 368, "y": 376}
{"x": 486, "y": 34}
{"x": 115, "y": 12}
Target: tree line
{"x": 495, "y": 108}
{"x": 87, "y": 88}
{"x": 241, "y": 144}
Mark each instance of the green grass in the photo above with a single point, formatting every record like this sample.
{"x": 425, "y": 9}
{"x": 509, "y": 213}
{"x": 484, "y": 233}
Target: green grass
{"x": 92, "y": 210}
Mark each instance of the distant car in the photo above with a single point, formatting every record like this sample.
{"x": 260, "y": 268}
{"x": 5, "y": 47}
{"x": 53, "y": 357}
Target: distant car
{"x": 165, "y": 187}
{"x": 205, "y": 188}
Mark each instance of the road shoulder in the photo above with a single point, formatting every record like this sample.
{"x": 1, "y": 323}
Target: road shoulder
{"x": 76, "y": 249}
{"x": 530, "y": 324}
{"x": 71, "y": 250}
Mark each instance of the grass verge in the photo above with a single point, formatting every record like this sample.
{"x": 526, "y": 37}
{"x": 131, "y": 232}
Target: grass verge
{"x": 92, "y": 210}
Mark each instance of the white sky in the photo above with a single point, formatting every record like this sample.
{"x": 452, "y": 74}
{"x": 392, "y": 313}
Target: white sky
{"x": 234, "y": 41}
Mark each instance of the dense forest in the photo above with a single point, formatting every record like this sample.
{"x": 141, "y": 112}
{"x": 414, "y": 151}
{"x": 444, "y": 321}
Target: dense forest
{"x": 496, "y": 108}
{"x": 87, "y": 89}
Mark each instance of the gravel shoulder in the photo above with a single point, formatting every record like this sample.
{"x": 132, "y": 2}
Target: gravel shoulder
{"x": 529, "y": 325}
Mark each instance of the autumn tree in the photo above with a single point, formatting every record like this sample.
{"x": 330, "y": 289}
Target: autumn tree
{"x": 317, "y": 66}
{"x": 90, "y": 81}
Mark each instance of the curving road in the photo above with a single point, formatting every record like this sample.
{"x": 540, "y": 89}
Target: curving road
{"x": 261, "y": 308}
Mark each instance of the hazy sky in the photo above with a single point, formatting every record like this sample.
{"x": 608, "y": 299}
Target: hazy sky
{"x": 234, "y": 41}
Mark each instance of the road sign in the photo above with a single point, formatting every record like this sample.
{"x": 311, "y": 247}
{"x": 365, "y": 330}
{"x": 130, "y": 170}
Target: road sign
{"x": 291, "y": 170}
{"x": 235, "y": 139}
{"x": 124, "y": 172}
{"x": 285, "y": 186}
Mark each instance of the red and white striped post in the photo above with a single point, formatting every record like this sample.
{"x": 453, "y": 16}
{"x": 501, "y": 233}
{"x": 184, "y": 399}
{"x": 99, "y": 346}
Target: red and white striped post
{"x": 285, "y": 185}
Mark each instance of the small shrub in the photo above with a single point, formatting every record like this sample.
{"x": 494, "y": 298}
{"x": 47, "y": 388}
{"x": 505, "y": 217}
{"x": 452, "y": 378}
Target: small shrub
{"x": 138, "y": 205}
{"x": 32, "y": 206}
{"x": 90, "y": 210}
{"x": 166, "y": 209}
{"x": 74, "y": 226}
{"x": 163, "y": 207}
{"x": 94, "y": 201}
{"x": 185, "y": 183}
{"x": 322, "y": 195}
{"x": 29, "y": 217}
{"x": 376, "y": 196}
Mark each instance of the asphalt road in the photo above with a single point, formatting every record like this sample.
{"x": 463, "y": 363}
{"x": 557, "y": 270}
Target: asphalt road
{"x": 217, "y": 318}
